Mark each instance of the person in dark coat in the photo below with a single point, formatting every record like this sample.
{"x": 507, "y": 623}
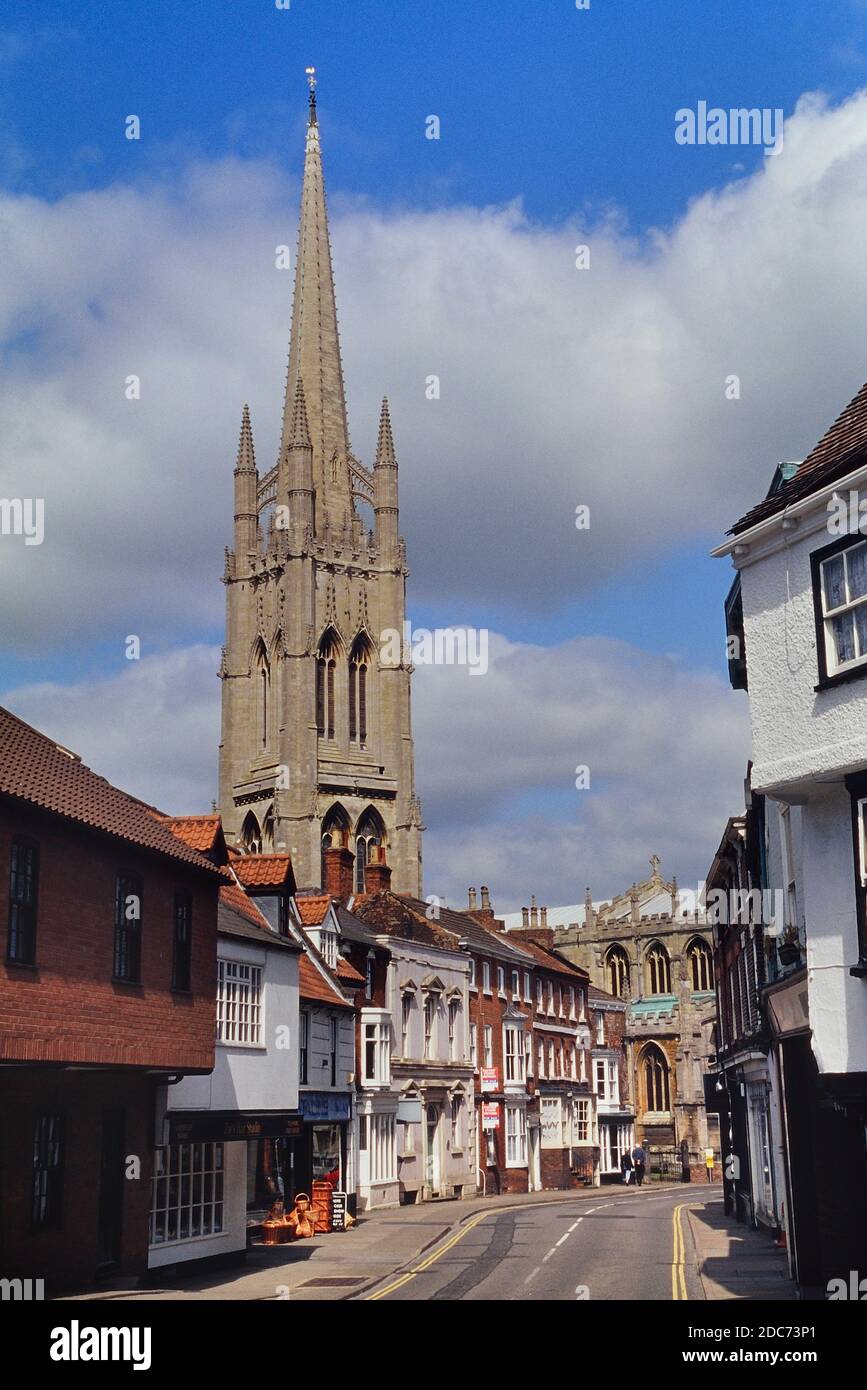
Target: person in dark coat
{"x": 639, "y": 1161}
{"x": 625, "y": 1167}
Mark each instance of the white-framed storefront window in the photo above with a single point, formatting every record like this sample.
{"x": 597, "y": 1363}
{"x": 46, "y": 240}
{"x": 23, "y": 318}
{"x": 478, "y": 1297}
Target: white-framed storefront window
{"x": 516, "y": 1136}
{"x": 186, "y": 1193}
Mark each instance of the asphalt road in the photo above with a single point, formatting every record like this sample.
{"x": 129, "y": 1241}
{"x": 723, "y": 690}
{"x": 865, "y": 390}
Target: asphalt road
{"x": 630, "y": 1244}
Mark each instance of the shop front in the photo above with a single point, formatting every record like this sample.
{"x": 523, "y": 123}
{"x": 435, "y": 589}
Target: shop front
{"x": 322, "y": 1153}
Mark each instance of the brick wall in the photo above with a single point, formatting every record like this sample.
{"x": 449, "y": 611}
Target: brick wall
{"x": 67, "y": 1256}
{"x": 67, "y": 1008}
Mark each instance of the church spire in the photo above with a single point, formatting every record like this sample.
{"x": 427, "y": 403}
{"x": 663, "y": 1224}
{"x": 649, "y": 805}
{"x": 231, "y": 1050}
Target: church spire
{"x": 385, "y": 487}
{"x": 314, "y": 347}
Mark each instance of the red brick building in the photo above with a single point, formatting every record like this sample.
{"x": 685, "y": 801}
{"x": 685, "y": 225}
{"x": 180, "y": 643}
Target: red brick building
{"x": 108, "y": 923}
{"x": 560, "y": 1070}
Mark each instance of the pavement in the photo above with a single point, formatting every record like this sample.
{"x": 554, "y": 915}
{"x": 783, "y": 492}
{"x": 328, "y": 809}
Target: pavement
{"x": 735, "y": 1261}
{"x": 605, "y": 1243}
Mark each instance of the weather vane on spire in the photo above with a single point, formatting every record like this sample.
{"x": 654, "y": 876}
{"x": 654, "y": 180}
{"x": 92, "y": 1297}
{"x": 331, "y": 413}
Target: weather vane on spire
{"x": 311, "y": 82}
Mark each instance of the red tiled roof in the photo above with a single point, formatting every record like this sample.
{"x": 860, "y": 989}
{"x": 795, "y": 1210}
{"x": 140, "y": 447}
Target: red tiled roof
{"x": 233, "y": 896}
{"x": 838, "y": 452}
{"x": 312, "y": 910}
{"x": 199, "y": 832}
{"x": 312, "y": 985}
{"x": 553, "y": 962}
{"x": 263, "y": 870}
{"x": 36, "y": 770}
{"x": 346, "y": 971}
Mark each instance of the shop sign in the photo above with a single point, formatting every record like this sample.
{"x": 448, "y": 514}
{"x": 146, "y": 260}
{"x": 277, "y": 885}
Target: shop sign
{"x": 323, "y": 1105}
{"x": 490, "y": 1079}
{"x": 490, "y": 1116}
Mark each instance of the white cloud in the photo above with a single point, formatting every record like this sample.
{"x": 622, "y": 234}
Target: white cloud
{"x": 559, "y": 386}
{"x": 496, "y": 754}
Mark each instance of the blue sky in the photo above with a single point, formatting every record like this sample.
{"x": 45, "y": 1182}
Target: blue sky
{"x": 555, "y": 123}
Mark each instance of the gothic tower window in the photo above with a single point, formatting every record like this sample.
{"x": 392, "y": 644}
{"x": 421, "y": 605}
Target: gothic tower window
{"x": 658, "y": 970}
{"x": 326, "y": 667}
{"x": 657, "y": 1090}
{"x": 617, "y": 970}
{"x": 359, "y": 666}
{"x": 700, "y": 966}
{"x": 369, "y": 831}
{"x": 251, "y": 835}
{"x": 263, "y": 695}
{"x": 335, "y": 831}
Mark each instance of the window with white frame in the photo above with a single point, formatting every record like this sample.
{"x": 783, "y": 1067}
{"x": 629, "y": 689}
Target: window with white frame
{"x": 405, "y": 1011}
{"x": 550, "y": 997}
{"x": 377, "y": 1068}
{"x": 488, "y": 1044}
{"x": 514, "y": 1052}
{"x": 328, "y": 947}
{"x": 368, "y": 976}
{"x": 454, "y": 1038}
{"x": 381, "y": 1155}
{"x": 582, "y": 1002}
{"x": 456, "y": 1109}
{"x": 303, "y": 1046}
{"x": 573, "y": 1061}
{"x": 788, "y": 857}
{"x": 474, "y": 1045}
{"x": 843, "y": 598}
{"x": 562, "y": 1008}
{"x": 239, "y": 1004}
{"x": 516, "y": 1137}
{"x": 528, "y": 996}
{"x": 600, "y": 1027}
{"x": 501, "y": 980}
{"x": 551, "y": 1071}
{"x": 472, "y": 972}
{"x": 581, "y": 1120}
{"x": 572, "y": 1002}
{"x": 486, "y": 976}
{"x": 549, "y": 1115}
{"x": 582, "y": 1069}
{"x": 528, "y": 1054}
{"x": 186, "y": 1193}
{"x": 541, "y": 1060}
{"x": 601, "y": 1070}
{"x": 539, "y": 1000}
{"x": 430, "y": 1013}
{"x": 516, "y": 984}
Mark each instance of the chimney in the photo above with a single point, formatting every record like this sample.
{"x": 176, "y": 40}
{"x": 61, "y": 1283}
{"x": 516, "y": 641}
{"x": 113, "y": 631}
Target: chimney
{"x": 543, "y": 917}
{"x": 377, "y": 874}
{"x": 534, "y": 912}
{"x": 338, "y": 860}
{"x": 486, "y": 899}
{"x": 525, "y": 917}
{"x": 471, "y": 904}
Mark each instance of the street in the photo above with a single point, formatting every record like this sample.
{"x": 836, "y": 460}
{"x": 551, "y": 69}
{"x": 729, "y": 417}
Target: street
{"x": 627, "y": 1245}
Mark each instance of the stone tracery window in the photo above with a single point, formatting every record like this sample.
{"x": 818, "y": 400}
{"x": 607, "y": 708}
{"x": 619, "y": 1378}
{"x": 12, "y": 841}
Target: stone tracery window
{"x": 369, "y": 831}
{"x": 657, "y": 1087}
{"x": 700, "y": 966}
{"x": 359, "y": 669}
{"x": 658, "y": 970}
{"x": 326, "y": 682}
{"x": 617, "y": 968}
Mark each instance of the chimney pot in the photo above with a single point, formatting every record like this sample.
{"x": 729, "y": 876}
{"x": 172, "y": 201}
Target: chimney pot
{"x": 525, "y": 917}
{"x": 486, "y": 899}
{"x": 471, "y": 900}
{"x": 544, "y": 917}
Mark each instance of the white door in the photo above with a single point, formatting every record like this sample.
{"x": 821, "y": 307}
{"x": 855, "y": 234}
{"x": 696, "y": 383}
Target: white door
{"x": 432, "y": 1163}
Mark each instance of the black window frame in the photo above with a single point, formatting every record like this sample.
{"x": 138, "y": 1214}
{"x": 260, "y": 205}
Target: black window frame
{"x": 334, "y": 1044}
{"x": 182, "y": 950}
{"x": 46, "y": 1206}
{"x": 124, "y": 934}
{"x": 856, "y": 785}
{"x": 827, "y": 680}
{"x": 303, "y": 1047}
{"x": 15, "y": 933}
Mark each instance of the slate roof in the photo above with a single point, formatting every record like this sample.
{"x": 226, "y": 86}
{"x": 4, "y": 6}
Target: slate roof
{"x": 840, "y": 450}
{"x": 237, "y": 915}
{"x": 398, "y": 914}
{"x": 36, "y": 770}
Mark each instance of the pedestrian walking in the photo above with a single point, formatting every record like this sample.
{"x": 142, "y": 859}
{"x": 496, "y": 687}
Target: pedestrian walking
{"x": 639, "y": 1161}
{"x": 625, "y": 1167}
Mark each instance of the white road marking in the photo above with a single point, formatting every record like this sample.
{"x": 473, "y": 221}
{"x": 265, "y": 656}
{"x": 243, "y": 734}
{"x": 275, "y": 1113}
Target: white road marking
{"x": 533, "y": 1275}
{"x": 576, "y": 1223}
{"x": 547, "y": 1257}
{"x": 561, "y": 1240}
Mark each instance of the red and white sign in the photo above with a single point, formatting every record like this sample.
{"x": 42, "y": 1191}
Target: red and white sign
{"x": 490, "y": 1116}
{"x": 490, "y": 1079}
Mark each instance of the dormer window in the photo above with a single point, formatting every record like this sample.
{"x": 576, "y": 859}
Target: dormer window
{"x": 328, "y": 947}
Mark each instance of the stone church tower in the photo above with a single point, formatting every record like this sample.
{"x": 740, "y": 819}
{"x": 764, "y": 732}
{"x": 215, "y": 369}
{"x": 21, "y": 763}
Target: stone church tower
{"x": 316, "y": 744}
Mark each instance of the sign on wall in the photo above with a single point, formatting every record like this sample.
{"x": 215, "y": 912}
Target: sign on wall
{"x": 338, "y": 1211}
{"x": 490, "y": 1115}
{"x": 490, "y": 1079}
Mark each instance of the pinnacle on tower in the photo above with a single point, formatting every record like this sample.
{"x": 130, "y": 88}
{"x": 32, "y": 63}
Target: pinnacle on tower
{"x": 246, "y": 461}
{"x": 299, "y": 432}
{"x": 385, "y": 455}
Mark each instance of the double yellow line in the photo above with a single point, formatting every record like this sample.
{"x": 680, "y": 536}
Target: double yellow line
{"x": 678, "y": 1275}
{"x": 431, "y": 1259}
